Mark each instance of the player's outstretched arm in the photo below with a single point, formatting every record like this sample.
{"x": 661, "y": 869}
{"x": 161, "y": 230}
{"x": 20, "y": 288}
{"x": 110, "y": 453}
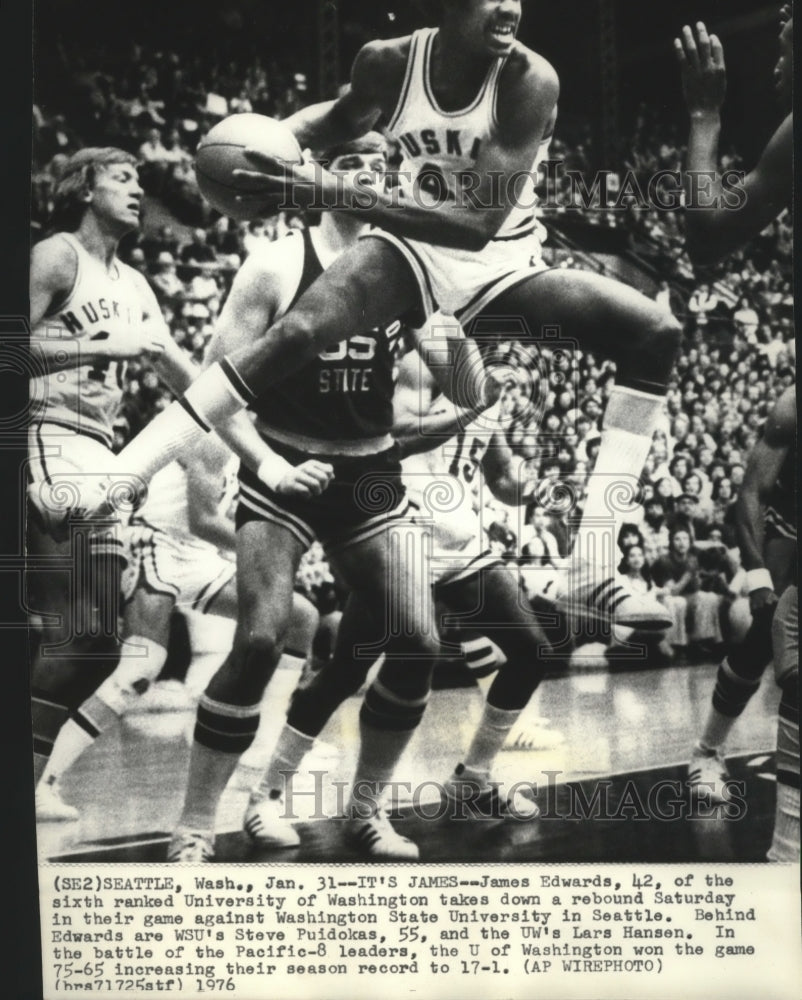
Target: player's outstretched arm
{"x": 721, "y": 218}
{"x": 262, "y": 289}
{"x": 762, "y": 471}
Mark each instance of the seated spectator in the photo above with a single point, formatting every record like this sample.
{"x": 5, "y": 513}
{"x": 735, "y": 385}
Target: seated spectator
{"x": 678, "y": 575}
{"x": 746, "y": 320}
{"x": 702, "y": 303}
{"x": 166, "y": 281}
{"x": 173, "y": 149}
{"x": 152, "y": 149}
{"x": 629, "y": 535}
{"x": 692, "y": 486}
{"x": 654, "y": 529}
{"x": 664, "y": 488}
{"x": 723, "y": 499}
{"x": 198, "y": 251}
{"x": 541, "y": 547}
{"x": 204, "y": 286}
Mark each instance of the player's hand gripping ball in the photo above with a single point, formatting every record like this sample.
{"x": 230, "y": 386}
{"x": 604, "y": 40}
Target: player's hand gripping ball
{"x": 221, "y": 152}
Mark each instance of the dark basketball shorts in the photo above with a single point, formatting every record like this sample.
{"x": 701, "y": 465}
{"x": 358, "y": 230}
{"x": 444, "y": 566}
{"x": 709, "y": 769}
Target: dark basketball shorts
{"x": 365, "y": 496}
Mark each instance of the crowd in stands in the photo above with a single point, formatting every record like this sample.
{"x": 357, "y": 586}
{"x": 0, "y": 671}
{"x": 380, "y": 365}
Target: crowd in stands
{"x": 737, "y": 357}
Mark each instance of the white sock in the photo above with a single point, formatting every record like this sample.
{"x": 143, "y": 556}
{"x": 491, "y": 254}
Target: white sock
{"x": 103, "y": 708}
{"x": 629, "y": 425}
{"x": 275, "y": 702}
{"x": 289, "y": 752}
{"x": 490, "y": 737}
{"x": 227, "y": 728}
{"x": 716, "y": 730}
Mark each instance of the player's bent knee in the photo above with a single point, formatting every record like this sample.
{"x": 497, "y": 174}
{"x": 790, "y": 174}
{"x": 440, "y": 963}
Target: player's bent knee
{"x": 258, "y": 650}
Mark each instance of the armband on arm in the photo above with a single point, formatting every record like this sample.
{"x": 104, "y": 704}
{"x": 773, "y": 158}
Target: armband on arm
{"x": 759, "y": 579}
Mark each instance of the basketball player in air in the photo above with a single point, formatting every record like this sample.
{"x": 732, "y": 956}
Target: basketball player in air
{"x": 90, "y": 314}
{"x": 180, "y": 548}
{"x": 473, "y": 111}
{"x": 766, "y": 512}
{"x": 450, "y": 453}
{"x": 329, "y": 427}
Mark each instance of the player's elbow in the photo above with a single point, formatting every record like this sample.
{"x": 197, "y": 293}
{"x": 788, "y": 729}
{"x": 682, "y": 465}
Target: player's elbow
{"x": 506, "y": 490}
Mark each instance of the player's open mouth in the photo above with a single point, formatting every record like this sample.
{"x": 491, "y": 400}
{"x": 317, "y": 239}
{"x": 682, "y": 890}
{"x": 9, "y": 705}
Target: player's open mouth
{"x": 503, "y": 32}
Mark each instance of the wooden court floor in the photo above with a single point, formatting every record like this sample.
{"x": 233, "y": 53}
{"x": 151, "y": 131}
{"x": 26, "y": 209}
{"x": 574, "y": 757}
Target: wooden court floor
{"x": 610, "y": 787}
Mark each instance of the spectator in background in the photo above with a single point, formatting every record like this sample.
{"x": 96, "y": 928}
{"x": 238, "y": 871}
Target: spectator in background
{"x": 198, "y": 251}
{"x": 701, "y": 304}
{"x": 654, "y": 529}
{"x": 678, "y": 576}
{"x": 152, "y": 150}
{"x": 630, "y": 534}
{"x": 166, "y": 281}
{"x": 541, "y": 547}
{"x": 746, "y": 320}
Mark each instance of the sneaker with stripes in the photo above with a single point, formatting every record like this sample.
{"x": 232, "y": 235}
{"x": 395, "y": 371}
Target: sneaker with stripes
{"x": 190, "y": 847}
{"x": 375, "y": 837}
{"x": 610, "y": 601}
{"x": 708, "y": 778}
{"x": 474, "y": 796}
{"x": 267, "y": 825}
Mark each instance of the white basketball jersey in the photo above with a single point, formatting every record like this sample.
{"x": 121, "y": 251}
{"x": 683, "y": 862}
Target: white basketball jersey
{"x": 167, "y": 504}
{"x": 100, "y": 305}
{"x": 440, "y": 148}
{"x": 448, "y": 484}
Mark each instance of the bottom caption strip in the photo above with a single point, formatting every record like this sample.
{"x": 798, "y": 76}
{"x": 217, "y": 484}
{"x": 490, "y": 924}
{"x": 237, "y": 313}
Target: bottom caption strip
{"x": 257, "y": 931}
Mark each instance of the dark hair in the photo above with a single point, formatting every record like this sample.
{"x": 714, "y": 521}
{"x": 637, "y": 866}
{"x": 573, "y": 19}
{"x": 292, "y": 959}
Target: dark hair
{"x": 680, "y": 526}
{"x": 78, "y": 179}
{"x": 645, "y": 572}
{"x": 629, "y": 528}
{"x": 370, "y": 142}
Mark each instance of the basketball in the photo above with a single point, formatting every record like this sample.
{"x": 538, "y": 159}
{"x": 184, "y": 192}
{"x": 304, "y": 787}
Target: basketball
{"x": 222, "y": 151}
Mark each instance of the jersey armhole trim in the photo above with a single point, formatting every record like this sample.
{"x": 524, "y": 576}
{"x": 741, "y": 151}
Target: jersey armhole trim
{"x": 406, "y": 84}
{"x": 291, "y": 290}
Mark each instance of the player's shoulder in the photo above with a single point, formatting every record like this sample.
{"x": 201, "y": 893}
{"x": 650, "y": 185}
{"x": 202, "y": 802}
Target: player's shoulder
{"x": 380, "y": 66}
{"x": 384, "y": 52}
{"x": 273, "y": 260}
{"x": 530, "y": 73}
{"x": 54, "y": 260}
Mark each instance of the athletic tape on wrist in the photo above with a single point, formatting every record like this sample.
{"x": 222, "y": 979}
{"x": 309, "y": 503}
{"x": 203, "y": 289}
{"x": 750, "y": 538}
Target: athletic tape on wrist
{"x": 272, "y": 470}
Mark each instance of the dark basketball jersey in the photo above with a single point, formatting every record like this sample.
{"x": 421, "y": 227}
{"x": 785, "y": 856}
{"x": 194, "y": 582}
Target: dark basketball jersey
{"x": 781, "y": 508}
{"x": 344, "y": 397}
